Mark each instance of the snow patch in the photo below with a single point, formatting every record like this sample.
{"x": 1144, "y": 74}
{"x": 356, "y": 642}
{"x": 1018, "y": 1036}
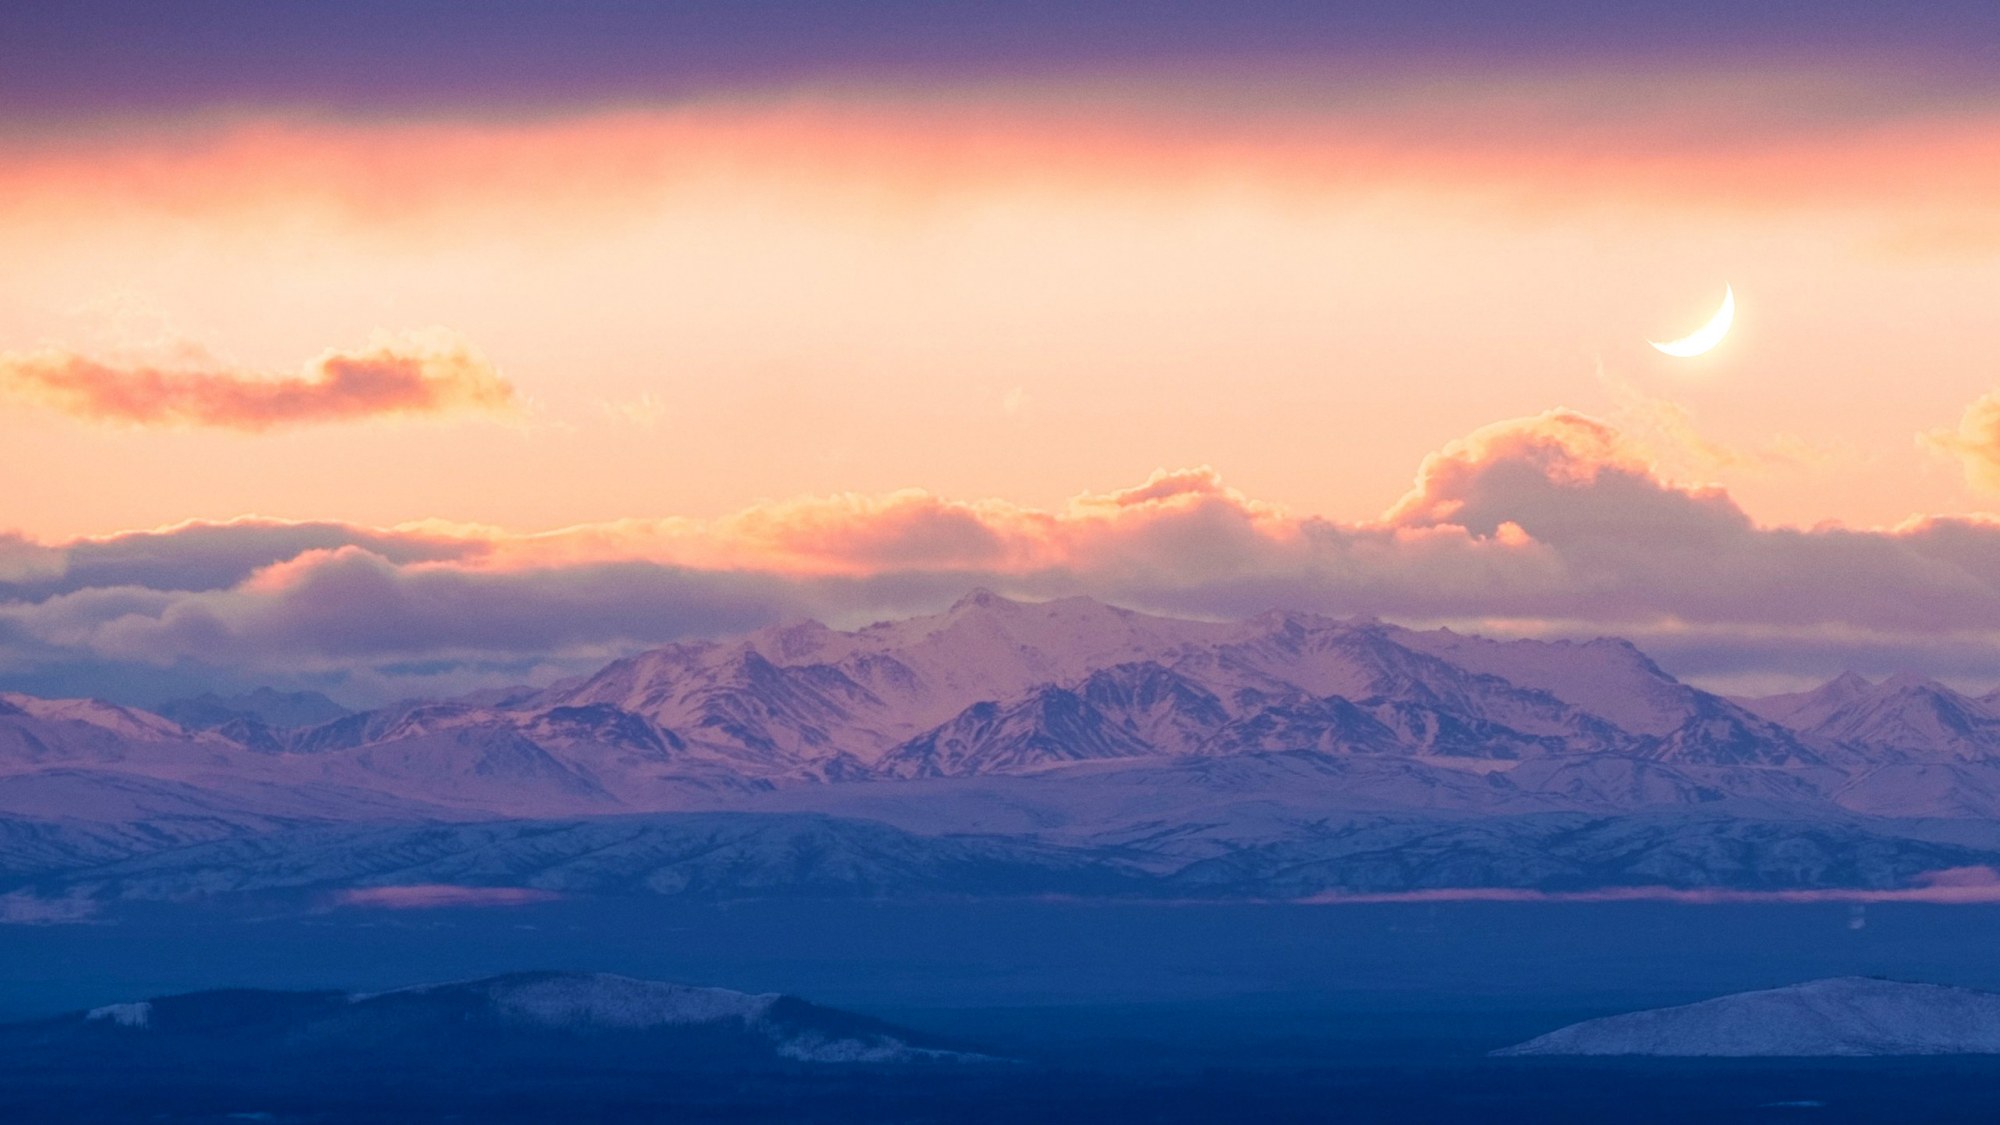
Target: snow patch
{"x": 604, "y": 1000}
{"x": 875, "y": 1050}
{"x": 138, "y": 1014}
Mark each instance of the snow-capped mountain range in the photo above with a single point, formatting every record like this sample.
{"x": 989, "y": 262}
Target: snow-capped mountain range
{"x": 1001, "y": 687}
{"x": 1068, "y": 723}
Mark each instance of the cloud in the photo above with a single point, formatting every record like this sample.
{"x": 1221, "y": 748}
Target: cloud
{"x": 1550, "y": 525}
{"x": 198, "y": 556}
{"x": 1634, "y": 548}
{"x": 1668, "y": 428}
{"x": 421, "y": 374}
{"x": 66, "y": 65}
{"x": 1976, "y": 442}
{"x": 23, "y": 560}
{"x": 431, "y": 896}
{"x": 325, "y": 608}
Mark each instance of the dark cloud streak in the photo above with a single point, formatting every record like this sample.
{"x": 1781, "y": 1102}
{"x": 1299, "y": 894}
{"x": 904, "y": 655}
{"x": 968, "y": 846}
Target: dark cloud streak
{"x": 212, "y": 556}
{"x": 124, "y": 56}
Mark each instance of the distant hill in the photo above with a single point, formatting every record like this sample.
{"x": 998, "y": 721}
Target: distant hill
{"x": 531, "y": 1019}
{"x": 264, "y": 705}
{"x": 1843, "y": 1016}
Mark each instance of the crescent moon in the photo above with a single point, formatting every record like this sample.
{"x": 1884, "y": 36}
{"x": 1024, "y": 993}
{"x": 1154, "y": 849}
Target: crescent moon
{"x": 1708, "y": 335}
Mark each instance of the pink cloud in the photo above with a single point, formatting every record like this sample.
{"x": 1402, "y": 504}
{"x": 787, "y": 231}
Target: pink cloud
{"x": 1552, "y": 524}
{"x": 411, "y": 376}
{"x": 430, "y": 896}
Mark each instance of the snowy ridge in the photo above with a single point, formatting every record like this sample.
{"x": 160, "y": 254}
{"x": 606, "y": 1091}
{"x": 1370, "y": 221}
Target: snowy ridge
{"x": 1068, "y": 718}
{"x": 138, "y": 1014}
{"x": 1906, "y": 714}
{"x": 1001, "y": 686}
{"x": 125, "y": 722}
{"x": 1136, "y": 836}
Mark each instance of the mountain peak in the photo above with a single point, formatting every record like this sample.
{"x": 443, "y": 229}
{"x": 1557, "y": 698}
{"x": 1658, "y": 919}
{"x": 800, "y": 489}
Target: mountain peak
{"x": 1283, "y": 617}
{"x": 263, "y": 705}
{"x": 1907, "y": 712}
{"x": 979, "y": 598}
{"x": 1802, "y": 710}
{"x": 792, "y": 642}
{"x": 1912, "y": 681}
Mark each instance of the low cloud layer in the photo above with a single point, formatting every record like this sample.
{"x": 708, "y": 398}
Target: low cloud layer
{"x": 1956, "y": 886}
{"x": 432, "y": 374}
{"x": 1551, "y": 525}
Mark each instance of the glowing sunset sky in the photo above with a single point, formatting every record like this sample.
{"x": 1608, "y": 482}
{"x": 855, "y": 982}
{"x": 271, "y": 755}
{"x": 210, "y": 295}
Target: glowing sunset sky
{"x": 686, "y": 322}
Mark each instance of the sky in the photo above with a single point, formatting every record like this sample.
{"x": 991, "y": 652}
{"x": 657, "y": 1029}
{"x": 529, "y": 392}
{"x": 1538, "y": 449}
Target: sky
{"x": 407, "y": 348}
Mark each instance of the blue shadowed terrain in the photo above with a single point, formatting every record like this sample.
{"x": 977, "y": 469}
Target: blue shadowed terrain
{"x": 1121, "y": 1011}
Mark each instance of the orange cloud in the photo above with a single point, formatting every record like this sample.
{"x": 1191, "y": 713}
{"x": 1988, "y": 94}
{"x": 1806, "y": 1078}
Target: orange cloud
{"x": 1976, "y": 442}
{"x": 1190, "y": 510}
{"x": 1560, "y": 447}
{"x": 415, "y": 375}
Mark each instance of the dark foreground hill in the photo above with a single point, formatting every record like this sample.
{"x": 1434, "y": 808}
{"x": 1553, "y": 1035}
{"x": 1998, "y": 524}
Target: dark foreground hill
{"x": 536, "y": 1021}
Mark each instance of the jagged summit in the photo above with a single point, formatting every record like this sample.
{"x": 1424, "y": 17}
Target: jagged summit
{"x": 1908, "y": 713}
{"x": 981, "y": 598}
{"x": 1805, "y": 709}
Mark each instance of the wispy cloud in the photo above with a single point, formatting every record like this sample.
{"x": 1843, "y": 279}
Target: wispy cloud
{"x": 431, "y": 896}
{"x": 432, "y": 373}
{"x": 1670, "y": 431}
{"x": 21, "y": 908}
